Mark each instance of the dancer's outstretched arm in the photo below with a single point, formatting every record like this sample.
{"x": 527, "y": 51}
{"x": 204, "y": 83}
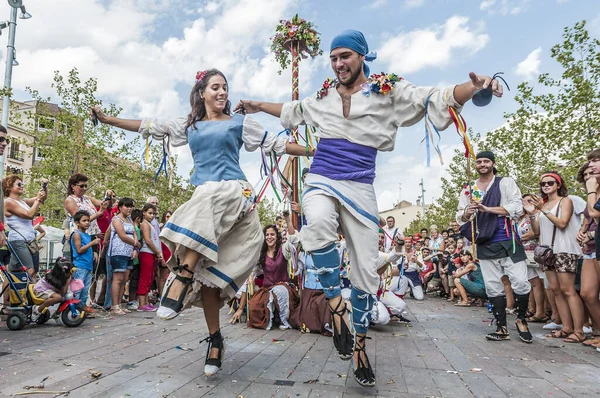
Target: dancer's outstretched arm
{"x": 125, "y": 124}
{"x": 249, "y": 106}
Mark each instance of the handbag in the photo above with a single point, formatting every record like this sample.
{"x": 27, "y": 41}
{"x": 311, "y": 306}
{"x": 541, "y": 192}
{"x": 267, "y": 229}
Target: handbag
{"x": 544, "y": 254}
{"x": 33, "y": 245}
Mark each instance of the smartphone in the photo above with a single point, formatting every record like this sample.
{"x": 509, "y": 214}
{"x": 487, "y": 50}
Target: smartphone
{"x": 94, "y": 118}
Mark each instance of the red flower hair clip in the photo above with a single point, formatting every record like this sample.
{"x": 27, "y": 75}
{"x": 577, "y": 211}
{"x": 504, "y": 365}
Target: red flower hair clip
{"x": 200, "y": 75}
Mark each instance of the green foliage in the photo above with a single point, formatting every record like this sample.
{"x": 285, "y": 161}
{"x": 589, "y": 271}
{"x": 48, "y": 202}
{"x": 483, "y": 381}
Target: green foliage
{"x": 267, "y": 211}
{"x": 556, "y": 125}
{"x": 70, "y": 143}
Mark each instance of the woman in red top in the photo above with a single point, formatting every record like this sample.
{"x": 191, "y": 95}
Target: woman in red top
{"x": 276, "y": 291}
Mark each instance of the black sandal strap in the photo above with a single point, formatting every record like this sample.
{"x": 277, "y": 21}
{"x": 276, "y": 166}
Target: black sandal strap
{"x": 177, "y": 305}
{"x": 183, "y": 267}
{"x": 343, "y": 339}
{"x": 363, "y": 373}
{"x": 214, "y": 340}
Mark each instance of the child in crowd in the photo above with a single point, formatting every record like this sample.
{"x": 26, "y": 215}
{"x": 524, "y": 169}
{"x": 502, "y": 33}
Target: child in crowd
{"x": 83, "y": 256}
{"x": 53, "y": 285}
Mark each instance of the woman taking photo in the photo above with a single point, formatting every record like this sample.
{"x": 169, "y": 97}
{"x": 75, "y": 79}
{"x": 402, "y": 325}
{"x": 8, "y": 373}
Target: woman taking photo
{"x": 557, "y": 227}
{"x": 215, "y": 235}
{"x": 19, "y": 214}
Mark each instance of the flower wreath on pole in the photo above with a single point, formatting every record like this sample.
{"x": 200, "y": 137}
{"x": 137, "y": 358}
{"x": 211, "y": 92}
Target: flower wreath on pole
{"x": 299, "y": 33}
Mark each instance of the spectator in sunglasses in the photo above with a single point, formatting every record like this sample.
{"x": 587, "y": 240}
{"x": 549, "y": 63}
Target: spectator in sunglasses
{"x": 557, "y": 226}
{"x": 78, "y": 200}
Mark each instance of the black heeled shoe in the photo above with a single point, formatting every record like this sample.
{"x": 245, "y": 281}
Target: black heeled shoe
{"x": 363, "y": 372}
{"x": 343, "y": 339}
{"x": 524, "y": 335}
{"x": 169, "y": 308}
{"x": 213, "y": 365}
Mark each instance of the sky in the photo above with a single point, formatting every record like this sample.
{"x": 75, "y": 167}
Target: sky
{"x": 145, "y": 55}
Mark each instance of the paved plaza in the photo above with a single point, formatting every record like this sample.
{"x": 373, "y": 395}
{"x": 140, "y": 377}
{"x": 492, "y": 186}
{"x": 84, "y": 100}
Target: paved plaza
{"x": 441, "y": 354}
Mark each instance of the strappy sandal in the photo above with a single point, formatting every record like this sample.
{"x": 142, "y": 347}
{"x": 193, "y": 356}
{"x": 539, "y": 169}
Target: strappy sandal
{"x": 574, "y": 337}
{"x": 558, "y": 334}
{"x": 117, "y": 311}
{"x": 592, "y": 341}
{"x": 343, "y": 339}
{"x": 524, "y": 335}
{"x": 462, "y": 304}
{"x": 535, "y": 319}
{"x": 213, "y": 365}
{"x": 171, "y": 307}
{"x": 363, "y": 373}
{"x": 500, "y": 334}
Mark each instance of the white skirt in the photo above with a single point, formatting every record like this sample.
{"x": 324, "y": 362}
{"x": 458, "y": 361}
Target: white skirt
{"x": 219, "y": 223}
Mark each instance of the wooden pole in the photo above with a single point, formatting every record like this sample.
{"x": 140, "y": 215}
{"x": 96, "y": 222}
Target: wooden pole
{"x": 472, "y": 221}
{"x": 294, "y": 46}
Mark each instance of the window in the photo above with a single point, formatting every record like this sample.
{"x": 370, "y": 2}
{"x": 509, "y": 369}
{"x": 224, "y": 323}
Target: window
{"x": 14, "y": 152}
{"x": 46, "y": 123}
{"x": 37, "y": 155}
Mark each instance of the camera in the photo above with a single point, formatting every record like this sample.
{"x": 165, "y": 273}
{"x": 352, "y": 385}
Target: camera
{"x": 107, "y": 198}
{"x": 286, "y": 213}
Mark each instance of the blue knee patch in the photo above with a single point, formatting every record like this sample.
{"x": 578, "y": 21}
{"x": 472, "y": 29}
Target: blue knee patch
{"x": 362, "y": 305}
{"x": 327, "y": 263}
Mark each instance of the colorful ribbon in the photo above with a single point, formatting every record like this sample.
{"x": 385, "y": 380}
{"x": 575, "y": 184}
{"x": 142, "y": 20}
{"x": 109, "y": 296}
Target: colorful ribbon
{"x": 461, "y": 130}
{"x": 429, "y": 136}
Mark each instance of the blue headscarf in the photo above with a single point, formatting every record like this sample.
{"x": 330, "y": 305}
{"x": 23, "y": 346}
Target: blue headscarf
{"x": 354, "y": 40}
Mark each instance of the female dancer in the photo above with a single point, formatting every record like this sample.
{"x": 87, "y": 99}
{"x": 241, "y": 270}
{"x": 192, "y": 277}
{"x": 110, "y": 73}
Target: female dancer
{"x": 215, "y": 234}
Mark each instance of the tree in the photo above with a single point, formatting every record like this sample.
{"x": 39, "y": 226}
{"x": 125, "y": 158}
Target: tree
{"x": 66, "y": 142}
{"x": 267, "y": 211}
{"x": 556, "y": 124}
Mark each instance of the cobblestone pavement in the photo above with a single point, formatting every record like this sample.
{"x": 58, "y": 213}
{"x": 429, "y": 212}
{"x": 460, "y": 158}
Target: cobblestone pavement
{"x": 442, "y": 353}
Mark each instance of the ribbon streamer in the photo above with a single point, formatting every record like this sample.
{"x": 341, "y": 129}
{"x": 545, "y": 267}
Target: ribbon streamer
{"x": 461, "y": 130}
{"x": 429, "y": 136}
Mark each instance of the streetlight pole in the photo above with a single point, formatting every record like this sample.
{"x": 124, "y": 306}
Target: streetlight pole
{"x": 10, "y": 57}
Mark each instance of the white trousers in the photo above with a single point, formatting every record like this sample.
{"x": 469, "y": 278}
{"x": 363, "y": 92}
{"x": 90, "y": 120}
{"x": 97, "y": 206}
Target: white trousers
{"x": 394, "y": 303}
{"x": 380, "y": 314}
{"x": 493, "y": 270}
{"x": 401, "y": 284}
{"x": 326, "y": 216}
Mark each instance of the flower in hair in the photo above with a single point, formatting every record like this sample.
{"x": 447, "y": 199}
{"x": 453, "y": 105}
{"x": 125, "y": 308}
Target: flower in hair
{"x": 200, "y": 75}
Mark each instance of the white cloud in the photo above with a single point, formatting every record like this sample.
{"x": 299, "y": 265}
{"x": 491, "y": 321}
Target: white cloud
{"x": 378, "y": 4}
{"x": 485, "y": 4}
{"x": 409, "y": 170}
{"x": 432, "y": 47}
{"x": 530, "y": 66}
{"x": 413, "y": 3}
{"x": 505, "y": 7}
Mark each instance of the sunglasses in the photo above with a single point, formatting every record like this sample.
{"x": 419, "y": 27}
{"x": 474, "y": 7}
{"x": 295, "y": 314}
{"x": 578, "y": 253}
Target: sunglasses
{"x": 84, "y": 186}
{"x": 547, "y": 183}
{"x": 2, "y": 139}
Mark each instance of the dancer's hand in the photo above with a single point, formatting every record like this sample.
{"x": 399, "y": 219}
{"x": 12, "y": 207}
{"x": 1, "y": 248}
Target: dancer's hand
{"x": 247, "y": 106}
{"x": 96, "y": 111}
{"x": 482, "y": 82}
{"x": 237, "y": 316}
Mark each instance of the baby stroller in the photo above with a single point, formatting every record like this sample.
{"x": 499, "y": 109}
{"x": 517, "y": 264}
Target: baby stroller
{"x": 22, "y": 298}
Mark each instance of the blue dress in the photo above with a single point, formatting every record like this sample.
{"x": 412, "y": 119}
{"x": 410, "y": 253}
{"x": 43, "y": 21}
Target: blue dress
{"x": 218, "y": 221}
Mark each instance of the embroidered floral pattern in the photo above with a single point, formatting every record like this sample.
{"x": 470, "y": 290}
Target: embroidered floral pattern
{"x": 380, "y": 84}
{"x": 329, "y": 83}
{"x": 376, "y": 83}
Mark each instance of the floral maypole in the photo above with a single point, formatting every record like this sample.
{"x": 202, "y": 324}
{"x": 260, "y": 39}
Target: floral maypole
{"x": 299, "y": 38}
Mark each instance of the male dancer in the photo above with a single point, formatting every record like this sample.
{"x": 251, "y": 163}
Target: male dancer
{"x": 354, "y": 120}
{"x": 499, "y": 249}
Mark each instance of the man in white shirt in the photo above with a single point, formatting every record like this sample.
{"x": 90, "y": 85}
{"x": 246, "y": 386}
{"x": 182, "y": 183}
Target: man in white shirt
{"x": 391, "y": 232}
{"x": 494, "y": 203}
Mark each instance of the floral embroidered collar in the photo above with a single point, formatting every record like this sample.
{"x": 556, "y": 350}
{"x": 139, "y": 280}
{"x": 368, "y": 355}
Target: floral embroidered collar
{"x": 476, "y": 192}
{"x": 376, "y": 83}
